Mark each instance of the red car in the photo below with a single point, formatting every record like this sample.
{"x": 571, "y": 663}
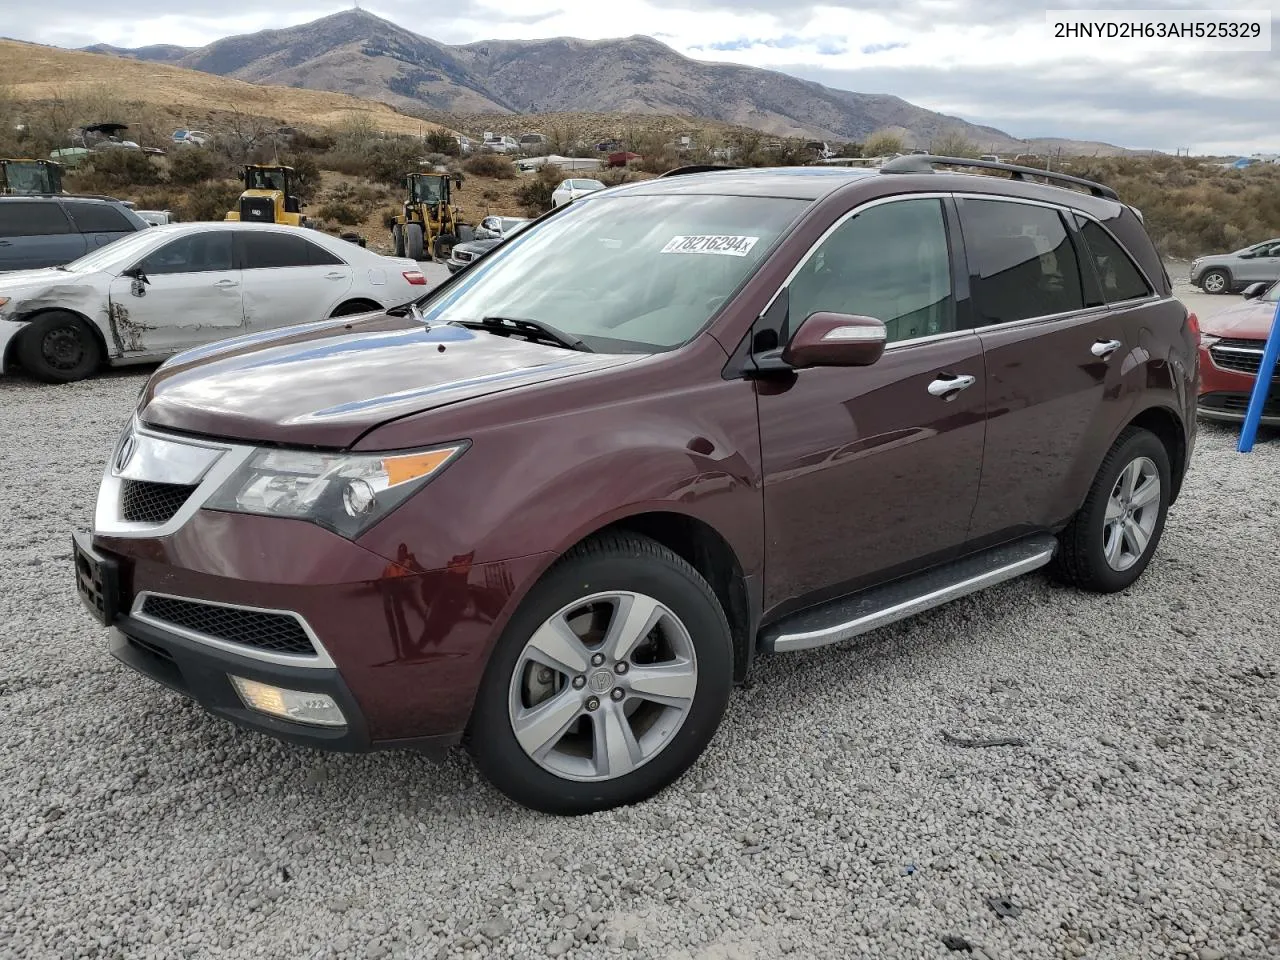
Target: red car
{"x": 555, "y": 508}
{"x": 1230, "y": 352}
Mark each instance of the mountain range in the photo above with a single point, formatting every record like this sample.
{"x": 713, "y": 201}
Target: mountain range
{"x": 357, "y": 53}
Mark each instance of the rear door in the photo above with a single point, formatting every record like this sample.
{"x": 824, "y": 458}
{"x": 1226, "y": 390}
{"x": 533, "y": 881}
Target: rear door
{"x": 100, "y": 223}
{"x": 288, "y": 279}
{"x": 872, "y": 472}
{"x": 37, "y": 233}
{"x": 192, "y": 296}
{"x": 1055, "y": 353}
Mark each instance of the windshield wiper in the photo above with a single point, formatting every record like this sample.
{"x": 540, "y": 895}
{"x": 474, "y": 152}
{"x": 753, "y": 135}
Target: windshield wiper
{"x": 524, "y": 325}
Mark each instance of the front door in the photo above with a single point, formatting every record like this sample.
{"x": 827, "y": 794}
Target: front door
{"x": 1263, "y": 266}
{"x": 872, "y": 472}
{"x": 1055, "y": 353}
{"x": 191, "y": 297}
{"x": 288, "y": 279}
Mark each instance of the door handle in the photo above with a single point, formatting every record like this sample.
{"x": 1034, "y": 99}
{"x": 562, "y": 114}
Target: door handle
{"x": 948, "y": 385}
{"x": 335, "y": 275}
{"x": 227, "y": 283}
{"x": 1104, "y": 348}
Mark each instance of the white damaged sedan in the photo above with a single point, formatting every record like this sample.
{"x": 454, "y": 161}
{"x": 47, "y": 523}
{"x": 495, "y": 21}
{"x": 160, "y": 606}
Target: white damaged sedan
{"x": 161, "y": 291}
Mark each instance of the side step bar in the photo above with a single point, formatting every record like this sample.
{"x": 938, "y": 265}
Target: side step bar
{"x": 879, "y": 606}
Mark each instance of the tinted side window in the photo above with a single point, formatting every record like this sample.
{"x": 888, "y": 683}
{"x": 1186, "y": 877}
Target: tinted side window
{"x": 197, "y": 253}
{"x": 267, "y": 250}
{"x": 1022, "y": 260}
{"x": 890, "y": 262}
{"x": 32, "y": 218}
{"x": 99, "y": 218}
{"x": 1120, "y": 279}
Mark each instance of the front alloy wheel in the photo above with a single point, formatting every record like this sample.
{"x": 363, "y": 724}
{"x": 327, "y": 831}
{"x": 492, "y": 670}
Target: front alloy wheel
{"x": 602, "y": 686}
{"x": 608, "y": 682}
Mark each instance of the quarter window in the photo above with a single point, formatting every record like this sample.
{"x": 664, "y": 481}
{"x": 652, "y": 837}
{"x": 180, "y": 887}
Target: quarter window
{"x": 196, "y": 253}
{"x": 269, "y": 250}
{"x": 1021, "y": 261}
{"x": 890, "y": 262}
{"x": 99, "y": 218}
{"x": 1120, "y": 279}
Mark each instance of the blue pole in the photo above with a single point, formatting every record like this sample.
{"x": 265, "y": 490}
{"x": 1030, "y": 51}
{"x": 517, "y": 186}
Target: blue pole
{"x": 1258, "y": 399}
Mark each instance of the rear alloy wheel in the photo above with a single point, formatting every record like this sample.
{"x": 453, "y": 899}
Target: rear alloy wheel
{"x": 1111, "y": 540}
{"x": 607, "y": 684}
{"x": 1216, "y": 281}
{"x": 59, "y": 347}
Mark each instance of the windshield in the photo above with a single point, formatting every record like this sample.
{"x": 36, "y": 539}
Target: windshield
{"x": 624, "y": 273}
{"x": 427, "y": 190}
{"x": 1273, "y": 293}
{"x": 28, "y": 178}
{"x": 116, "y": 255}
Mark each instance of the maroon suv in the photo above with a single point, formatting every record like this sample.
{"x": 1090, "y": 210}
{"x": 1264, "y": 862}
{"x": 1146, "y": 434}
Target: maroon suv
{"x": 556, "y": 507}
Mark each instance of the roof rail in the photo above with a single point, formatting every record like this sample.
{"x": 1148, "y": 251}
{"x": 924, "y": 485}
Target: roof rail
{"x": 924, "y": 163}
{"x": 696, "y": 168}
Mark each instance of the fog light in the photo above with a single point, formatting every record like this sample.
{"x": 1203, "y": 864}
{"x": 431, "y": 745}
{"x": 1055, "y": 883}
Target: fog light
{"x": 301, "y": 706}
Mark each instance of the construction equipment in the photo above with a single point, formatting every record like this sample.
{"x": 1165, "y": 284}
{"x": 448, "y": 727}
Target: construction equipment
{"x": 429, "y": 225}
{"x": 268, "y": 197}
{"x": 30, "y": 177}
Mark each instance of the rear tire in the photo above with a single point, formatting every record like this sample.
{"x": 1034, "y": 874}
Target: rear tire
{"x": 413, "y": 243}
{"x": 59, "y": 347}
{"x": 1110, "y": 541}
{"x": 1216, "y": 281}
{"x": 397, "y": 240}
{"x": 577, "y": 756}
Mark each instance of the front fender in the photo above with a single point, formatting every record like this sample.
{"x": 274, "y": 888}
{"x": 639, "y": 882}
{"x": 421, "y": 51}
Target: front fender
{"x": 9, "y": 330}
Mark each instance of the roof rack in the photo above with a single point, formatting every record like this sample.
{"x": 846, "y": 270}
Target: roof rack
{"x": 924, "y": 163}
{"x": 696, "y": 168}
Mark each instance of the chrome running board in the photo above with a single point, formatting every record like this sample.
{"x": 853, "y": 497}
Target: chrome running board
{"x": 879, "y": 606}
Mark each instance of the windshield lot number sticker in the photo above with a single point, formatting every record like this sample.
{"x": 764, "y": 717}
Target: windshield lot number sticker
{"x": 723, "y": 245}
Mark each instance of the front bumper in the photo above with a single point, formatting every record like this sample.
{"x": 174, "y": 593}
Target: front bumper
{"x": 1224, "y": 394}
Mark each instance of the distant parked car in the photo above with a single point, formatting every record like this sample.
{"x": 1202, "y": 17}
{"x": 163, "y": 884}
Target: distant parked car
{"x": 464, "y": 254}
{"x": 1231, "y": 272}
{"x": 571, "y": 190}
{"x": 167, "y": 289}
{"x": 500, "y": 227}
{"x": 38, "y": 232}
{"x": 1231, "y": 344}
{"x": 157, "y": 218}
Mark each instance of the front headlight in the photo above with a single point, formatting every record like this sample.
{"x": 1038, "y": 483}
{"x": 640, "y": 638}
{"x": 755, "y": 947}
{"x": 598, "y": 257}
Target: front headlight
{"x": 345, "y": 492}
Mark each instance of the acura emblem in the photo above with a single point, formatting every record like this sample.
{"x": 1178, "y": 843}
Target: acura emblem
{"x": 126, "y": 453}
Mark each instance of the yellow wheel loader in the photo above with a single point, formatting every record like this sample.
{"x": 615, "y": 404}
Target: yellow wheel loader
{"x": 430, "y": 225}
{"x": 268, "y": 197}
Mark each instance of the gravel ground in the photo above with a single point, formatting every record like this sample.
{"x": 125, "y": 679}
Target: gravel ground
{"x": 828, "y": 819}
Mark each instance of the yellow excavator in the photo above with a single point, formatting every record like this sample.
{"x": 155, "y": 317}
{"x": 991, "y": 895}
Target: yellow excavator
{"x": 430, "y": 225}
{"x": 268, "y": 197}
{"x": 30, "y": 177}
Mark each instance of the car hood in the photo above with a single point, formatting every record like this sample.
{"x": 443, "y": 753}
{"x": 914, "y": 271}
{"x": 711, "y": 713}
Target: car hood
{"x": 1250, "y": 320}
{"x": 326, "y": 384}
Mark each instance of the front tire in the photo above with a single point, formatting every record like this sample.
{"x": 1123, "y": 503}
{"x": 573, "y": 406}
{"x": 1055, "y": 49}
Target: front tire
{"x": 1216, "y": 281}
{"x": 607, "y": 684}
{"x": 59, "y": 347}
{"x": 413, "y": 242}
{"x": 1109, "y": 543}
{"x": 397, "y": 240}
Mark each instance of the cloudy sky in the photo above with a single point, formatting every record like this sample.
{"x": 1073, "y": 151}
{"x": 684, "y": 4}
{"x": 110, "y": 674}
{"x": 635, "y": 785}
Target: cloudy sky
{"x": 989, "y": 61}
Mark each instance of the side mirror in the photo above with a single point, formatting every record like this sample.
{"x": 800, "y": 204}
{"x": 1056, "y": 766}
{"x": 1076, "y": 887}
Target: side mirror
{"x": 1255, "y": 290}
{"x": 836, "y": 340}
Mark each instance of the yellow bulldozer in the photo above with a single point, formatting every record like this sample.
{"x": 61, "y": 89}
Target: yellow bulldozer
{"x": 30, "y": 177}
{"x": 430, "y": 225}
{"x": 268, "y": 197}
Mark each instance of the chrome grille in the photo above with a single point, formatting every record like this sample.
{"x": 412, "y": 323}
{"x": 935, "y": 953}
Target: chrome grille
{"x": 144, "y": 502}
